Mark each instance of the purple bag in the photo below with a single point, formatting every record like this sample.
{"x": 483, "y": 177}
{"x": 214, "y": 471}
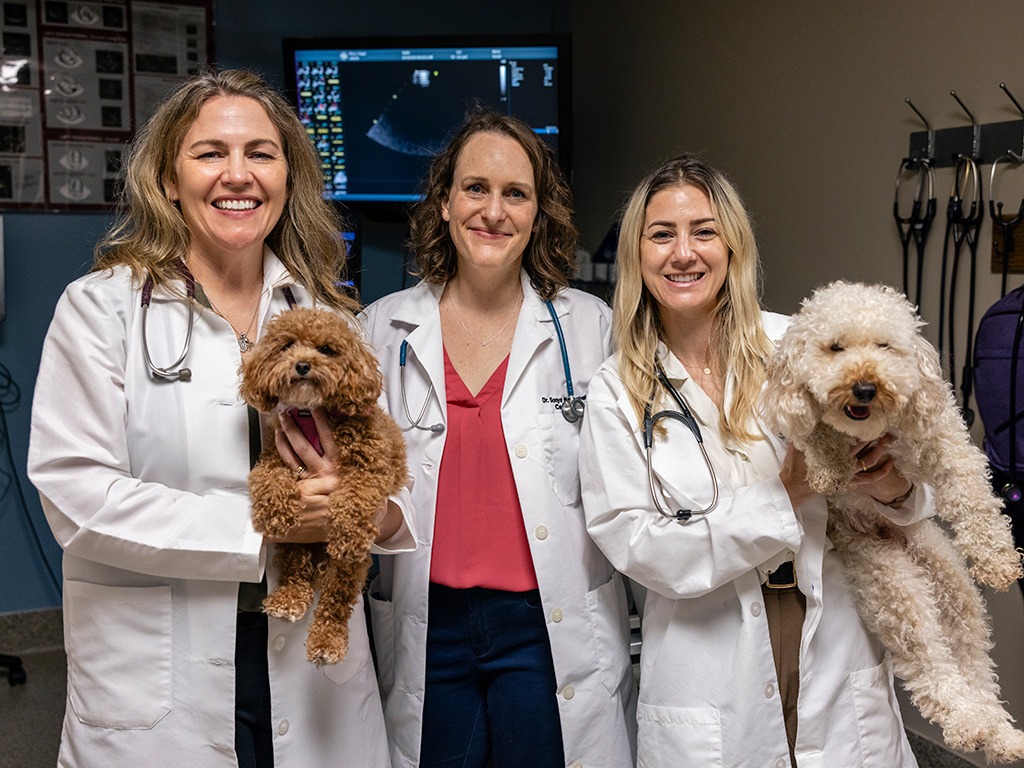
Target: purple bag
{"x": 998, "y": 388}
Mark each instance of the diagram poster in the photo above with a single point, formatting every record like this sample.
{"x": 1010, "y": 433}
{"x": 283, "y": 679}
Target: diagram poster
{"x": 76, "y": 80}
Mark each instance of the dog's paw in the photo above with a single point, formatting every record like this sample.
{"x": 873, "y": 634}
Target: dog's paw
{"x": 276, "y": 525}
{"x": 1006, "y": 745}
{"x": 289, "y": 601}
{"x": 324, "y": 647}
{"x": 998, "y": 573}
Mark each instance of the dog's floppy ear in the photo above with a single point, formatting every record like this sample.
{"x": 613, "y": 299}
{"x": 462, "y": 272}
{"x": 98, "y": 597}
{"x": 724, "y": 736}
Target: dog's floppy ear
{"x": 255, "y": 367}
{"x": 932, "y": 396}
{"x": 786, "y": 405}
{"x": 361, "y": 380}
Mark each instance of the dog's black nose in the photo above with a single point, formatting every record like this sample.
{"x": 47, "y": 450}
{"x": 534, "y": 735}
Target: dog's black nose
{"x": 864, "y": 391}
{"x": 302, "y": 367}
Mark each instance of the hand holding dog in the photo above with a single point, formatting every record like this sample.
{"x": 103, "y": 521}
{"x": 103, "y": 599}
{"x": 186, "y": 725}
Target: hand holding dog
{"x": 320, "y": 478}
{"x": 877, "y": 475}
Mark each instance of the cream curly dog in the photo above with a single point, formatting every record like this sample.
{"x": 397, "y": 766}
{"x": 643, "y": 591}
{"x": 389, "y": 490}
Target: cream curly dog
{"x": 308, "y": 358}
{"x": 853, "y": 366}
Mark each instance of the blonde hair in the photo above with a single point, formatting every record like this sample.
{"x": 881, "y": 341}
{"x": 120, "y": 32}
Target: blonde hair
{"x": 739, "y": 344}
{"x": 151, "y": 237}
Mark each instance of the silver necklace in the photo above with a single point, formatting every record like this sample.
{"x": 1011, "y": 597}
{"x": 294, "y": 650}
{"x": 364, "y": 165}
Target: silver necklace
{"x": 451, "y": 295}
{"x": 244, "y": 343}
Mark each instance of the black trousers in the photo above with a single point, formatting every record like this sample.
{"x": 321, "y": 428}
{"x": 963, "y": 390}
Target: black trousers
{"x": 254, "y": 740}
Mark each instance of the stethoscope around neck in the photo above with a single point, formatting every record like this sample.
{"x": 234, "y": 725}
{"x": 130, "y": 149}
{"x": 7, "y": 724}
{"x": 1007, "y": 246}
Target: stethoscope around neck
{"x": 572, "y": 406}
{"x": 175, "y": 371}
{"x": 686, "y": 417}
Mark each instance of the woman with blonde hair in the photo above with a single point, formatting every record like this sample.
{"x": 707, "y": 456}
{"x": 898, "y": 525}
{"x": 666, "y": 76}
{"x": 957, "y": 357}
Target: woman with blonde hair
{"x": 141, "y": 447}
{"x": 753, "y": 652}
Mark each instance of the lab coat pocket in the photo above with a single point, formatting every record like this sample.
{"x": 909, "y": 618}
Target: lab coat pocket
{"x": 609, "y": 623}
{"x": 879, "y": 727}
{"x": 382, "y": 613}
{"x": 561, "y": 456}
{"x": 672, "y": 736}
{"x": 358, "y": 648}
{"x": 119, "y": 654}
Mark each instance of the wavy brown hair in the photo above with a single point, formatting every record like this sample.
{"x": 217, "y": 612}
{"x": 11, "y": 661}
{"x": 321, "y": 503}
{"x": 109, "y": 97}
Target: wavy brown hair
{"x": 550, "y": 256}
{"x": 151, "y": 237}
{"x": 739, "y": 344}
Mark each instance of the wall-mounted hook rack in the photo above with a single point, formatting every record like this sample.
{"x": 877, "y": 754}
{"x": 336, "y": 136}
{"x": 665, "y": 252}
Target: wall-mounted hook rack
{"x": 1019, "y": 157}
{"x": 975, "y": 128}
{"x": 929, "y": 152}
{"x": 984, "y": 142}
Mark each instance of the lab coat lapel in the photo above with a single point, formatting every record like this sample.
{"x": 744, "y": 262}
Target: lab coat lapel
{"x": 426, "y": 347}
{"x": 533, "y": 329}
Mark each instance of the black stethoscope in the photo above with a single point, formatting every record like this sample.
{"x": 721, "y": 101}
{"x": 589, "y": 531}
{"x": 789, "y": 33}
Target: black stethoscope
{"x": 175, "y": 371}
{"x": 572, "y": 407}
{"x": 686, "y": 417}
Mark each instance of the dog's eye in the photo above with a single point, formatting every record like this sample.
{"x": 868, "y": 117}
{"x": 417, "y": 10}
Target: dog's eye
{"x": 882, "y": 345}
{"x": 327, "y": 350}
{"x": 288, "y": 346}
{"x": 836, "y": 347}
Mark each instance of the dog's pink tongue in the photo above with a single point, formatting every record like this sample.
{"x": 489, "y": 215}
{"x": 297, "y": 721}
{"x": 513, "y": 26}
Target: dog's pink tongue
{"x": 304, "y": 420}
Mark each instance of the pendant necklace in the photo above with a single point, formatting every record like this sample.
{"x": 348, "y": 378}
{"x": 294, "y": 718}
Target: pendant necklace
{"x": 244, "y": 343}
{"x": 451, "y": 295}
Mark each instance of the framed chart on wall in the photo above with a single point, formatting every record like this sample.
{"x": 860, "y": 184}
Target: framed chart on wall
{"x": 76, "y": 80}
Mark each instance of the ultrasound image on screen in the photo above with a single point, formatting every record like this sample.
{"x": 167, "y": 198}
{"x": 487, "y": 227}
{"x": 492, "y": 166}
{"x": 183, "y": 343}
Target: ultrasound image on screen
{"x": 376, "y": 123}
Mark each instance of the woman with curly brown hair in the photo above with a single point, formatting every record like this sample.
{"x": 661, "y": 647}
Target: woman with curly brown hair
{"x": 506, "y": 634}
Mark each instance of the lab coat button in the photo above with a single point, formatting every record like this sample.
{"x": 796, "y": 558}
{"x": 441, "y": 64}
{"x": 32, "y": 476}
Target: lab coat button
{"x": 541, "y": 532}
{"x": 568, "y": 692}
{"x": 755, "y": 609}
{"x": 577, "y": 764}
{"x": 282, "y": 727}
{"x": 780, "y": 763}
{"x": 556, "y": 615}
{"x": 521, "y": 451}
{"x": 279, "y": 642}
{"x": 769, "y": 691}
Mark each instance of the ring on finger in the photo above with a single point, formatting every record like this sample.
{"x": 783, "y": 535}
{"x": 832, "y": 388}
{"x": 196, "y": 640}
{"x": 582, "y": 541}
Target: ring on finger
{"x": 299, "y": 471}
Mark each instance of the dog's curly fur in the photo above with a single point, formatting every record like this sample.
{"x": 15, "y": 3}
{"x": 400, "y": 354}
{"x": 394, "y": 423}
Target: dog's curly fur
{"x": 307, "y": 358}
{"x": 853, "y": 366}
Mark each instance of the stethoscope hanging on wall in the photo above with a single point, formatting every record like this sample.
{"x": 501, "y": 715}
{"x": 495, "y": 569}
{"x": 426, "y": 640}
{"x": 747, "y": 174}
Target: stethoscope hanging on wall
{"x": 1007, "y": 226}
{"x": 572, "y": 407}
{"x": 683, "y": 415}
{"x": 919, "y": 222}
{"x": 961, "y": 228}
{"x": 175, "y": 371}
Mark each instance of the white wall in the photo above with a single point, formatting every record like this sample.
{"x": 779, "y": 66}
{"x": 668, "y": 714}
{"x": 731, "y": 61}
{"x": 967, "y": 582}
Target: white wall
{"x": 802, "y": 103}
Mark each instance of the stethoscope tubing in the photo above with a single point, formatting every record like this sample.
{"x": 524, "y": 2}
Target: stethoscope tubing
{"x": 685, "y": 416}
{"x": 572, "y": 408}
{"x": 175, "y": 371}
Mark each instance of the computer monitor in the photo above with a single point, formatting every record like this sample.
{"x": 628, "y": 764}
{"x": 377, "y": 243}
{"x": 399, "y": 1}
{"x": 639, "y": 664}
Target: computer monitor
{"x": 379, "y": 109}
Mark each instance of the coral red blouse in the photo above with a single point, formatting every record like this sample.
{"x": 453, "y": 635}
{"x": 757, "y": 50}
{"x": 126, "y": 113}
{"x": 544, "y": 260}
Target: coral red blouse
{"x": 479, "y": 534}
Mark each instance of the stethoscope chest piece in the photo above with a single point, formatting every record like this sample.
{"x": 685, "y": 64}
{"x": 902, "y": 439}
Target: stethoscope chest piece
{"x": 572, "y": 409}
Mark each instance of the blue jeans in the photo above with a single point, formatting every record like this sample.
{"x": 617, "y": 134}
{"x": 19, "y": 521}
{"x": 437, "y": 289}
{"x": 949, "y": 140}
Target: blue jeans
{"x": 490, "y": 684}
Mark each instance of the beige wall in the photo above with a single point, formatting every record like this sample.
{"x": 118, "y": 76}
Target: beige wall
{"x": 802, "y": 103}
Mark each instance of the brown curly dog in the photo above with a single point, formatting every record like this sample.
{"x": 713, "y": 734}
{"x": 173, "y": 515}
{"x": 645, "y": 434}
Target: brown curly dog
{"x": 304, "y": 359}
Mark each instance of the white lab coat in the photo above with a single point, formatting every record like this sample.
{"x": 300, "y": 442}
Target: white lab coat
{"x": 144, "y": 485}
{"x": 708, "y": 688}
{"x": 583, "y": 598}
